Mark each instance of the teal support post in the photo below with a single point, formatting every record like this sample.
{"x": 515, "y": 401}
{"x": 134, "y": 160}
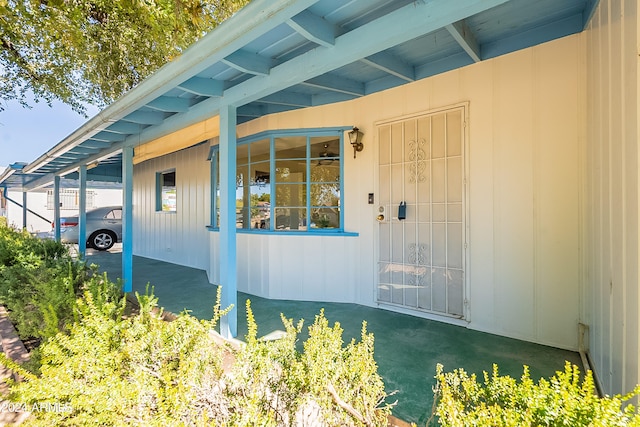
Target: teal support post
{"x": 82, "y": 212}
{"x": 24, "y": 210}
{"x": 56, "y": 207}
{"x": 228, "y": 262}
{"x": 127, "y": 219}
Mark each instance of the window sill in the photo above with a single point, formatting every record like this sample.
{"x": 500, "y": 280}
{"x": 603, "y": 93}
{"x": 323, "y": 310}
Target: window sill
{"x": 290, "y": 233}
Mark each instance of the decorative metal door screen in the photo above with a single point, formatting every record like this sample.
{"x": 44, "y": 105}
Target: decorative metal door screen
{"x": 422, "y": 258}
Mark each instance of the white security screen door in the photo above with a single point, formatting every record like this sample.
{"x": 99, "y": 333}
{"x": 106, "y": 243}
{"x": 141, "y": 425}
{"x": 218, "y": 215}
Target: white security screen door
{"x": 422, "y": 257}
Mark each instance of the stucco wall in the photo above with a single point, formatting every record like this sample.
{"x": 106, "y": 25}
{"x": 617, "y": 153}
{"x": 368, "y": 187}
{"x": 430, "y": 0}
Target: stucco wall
{"x": 612, "y": 306}
{"x": 524, "y": 137}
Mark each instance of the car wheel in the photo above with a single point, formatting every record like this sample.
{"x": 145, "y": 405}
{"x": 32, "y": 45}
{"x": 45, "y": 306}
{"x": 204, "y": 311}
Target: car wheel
{"x": 102, "y": 240}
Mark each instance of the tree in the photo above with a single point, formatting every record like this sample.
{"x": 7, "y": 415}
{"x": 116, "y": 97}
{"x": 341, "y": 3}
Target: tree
{"x": 93, "y": 51}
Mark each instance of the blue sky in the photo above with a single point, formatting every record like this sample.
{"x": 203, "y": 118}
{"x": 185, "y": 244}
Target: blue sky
{"x": 25, "y": 134}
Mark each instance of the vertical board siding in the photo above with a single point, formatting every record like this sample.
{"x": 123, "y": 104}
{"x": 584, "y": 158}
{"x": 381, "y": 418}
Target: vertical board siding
{"x": 179, "y": 237}
{"x": 524, "y": 175}
{"x": 513, "y": 183}
{"x": 523, "y": 128}
{"x": 612, "y": 195}
{"x": 557, "y": 180}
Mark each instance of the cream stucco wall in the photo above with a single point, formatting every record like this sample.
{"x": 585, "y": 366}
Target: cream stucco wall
{"x": 525, "y": 149}
{"x": 612, "y": 306}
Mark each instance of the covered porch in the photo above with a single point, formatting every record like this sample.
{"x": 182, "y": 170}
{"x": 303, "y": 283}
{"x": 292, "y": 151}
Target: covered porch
{"x": 407, "y": 348}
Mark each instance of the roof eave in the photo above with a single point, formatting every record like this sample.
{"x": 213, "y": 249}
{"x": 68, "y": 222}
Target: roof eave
{"x": 225, "y": 39}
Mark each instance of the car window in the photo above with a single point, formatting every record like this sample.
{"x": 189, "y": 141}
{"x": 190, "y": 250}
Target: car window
{"x": 114, "y": 214}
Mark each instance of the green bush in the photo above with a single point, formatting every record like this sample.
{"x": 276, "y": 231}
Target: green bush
{"x": 40, "y": 284}
{"x": 327, "y": 384}
{"x": 501, "y": 401}
{"x": 21, "y": 247}
{"x": 122, "y": 370}
{"x": 117, "y": 370}
{"x": 102, "y": 363}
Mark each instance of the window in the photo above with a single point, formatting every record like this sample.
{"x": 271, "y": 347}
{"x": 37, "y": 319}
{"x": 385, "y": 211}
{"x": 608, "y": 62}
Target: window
{"x": 114, "y": 214}
{"x": 166, "y": 193}
{"x": 253, "y": 181}
{"x": 70, "y": 199}
{"x": 286, "y": 181}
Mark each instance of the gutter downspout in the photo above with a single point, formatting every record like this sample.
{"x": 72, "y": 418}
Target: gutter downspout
{"x": 587, "y": 363}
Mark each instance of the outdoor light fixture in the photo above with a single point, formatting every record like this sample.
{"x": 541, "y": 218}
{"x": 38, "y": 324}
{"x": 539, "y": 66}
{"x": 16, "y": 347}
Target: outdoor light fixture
{"x": 355, "y": 137}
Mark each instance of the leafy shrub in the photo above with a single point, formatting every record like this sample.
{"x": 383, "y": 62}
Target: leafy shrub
{"x": 102, "y": 364}
{"x": 40, "y": 284}
{"x": 41, "y": 299}
{"x": 327, "y": 384}
{"x": 502, "y": 401}
{"x": 113, "y": 369}
{"x": 21, "y": 247}
{"x": 116, "y": 370}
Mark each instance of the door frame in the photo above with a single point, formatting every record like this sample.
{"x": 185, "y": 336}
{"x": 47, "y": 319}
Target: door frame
{"x": 466, "y": 305}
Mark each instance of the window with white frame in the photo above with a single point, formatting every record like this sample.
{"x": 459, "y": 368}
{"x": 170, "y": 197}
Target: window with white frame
{"x": 286, "y": 181}
{"x": 166, "y": 191}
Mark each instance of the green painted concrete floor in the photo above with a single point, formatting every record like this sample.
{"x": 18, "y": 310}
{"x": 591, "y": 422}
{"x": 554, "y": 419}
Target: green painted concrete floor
{"x": 407, "y": 348}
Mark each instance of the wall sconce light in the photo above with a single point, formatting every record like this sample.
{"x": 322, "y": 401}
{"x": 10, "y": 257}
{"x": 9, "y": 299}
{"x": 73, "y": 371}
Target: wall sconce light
{"x": 355, "y": 137}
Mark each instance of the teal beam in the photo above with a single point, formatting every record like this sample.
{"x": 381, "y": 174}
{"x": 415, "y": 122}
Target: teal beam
{"x": 227, "y": 254}
{"x": 109, "y": 137}
{"x": 170, "y": 104}
{"x": 248, "y": 62}
{"x": 143, "y": 118}
{"x": 314, "y": 28}
{"x": 126, "y": 128}
{"x": 404, "y": 24}
{"x": 203, "y": 87}
{"x": 56, "y": 207}
{"x": 127, "y": 219}
{"x": 82, "y": 214}
{"x": 390, "y": 64}
{"x": 461, "y": 32}
{"x": 589, "y": 10}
